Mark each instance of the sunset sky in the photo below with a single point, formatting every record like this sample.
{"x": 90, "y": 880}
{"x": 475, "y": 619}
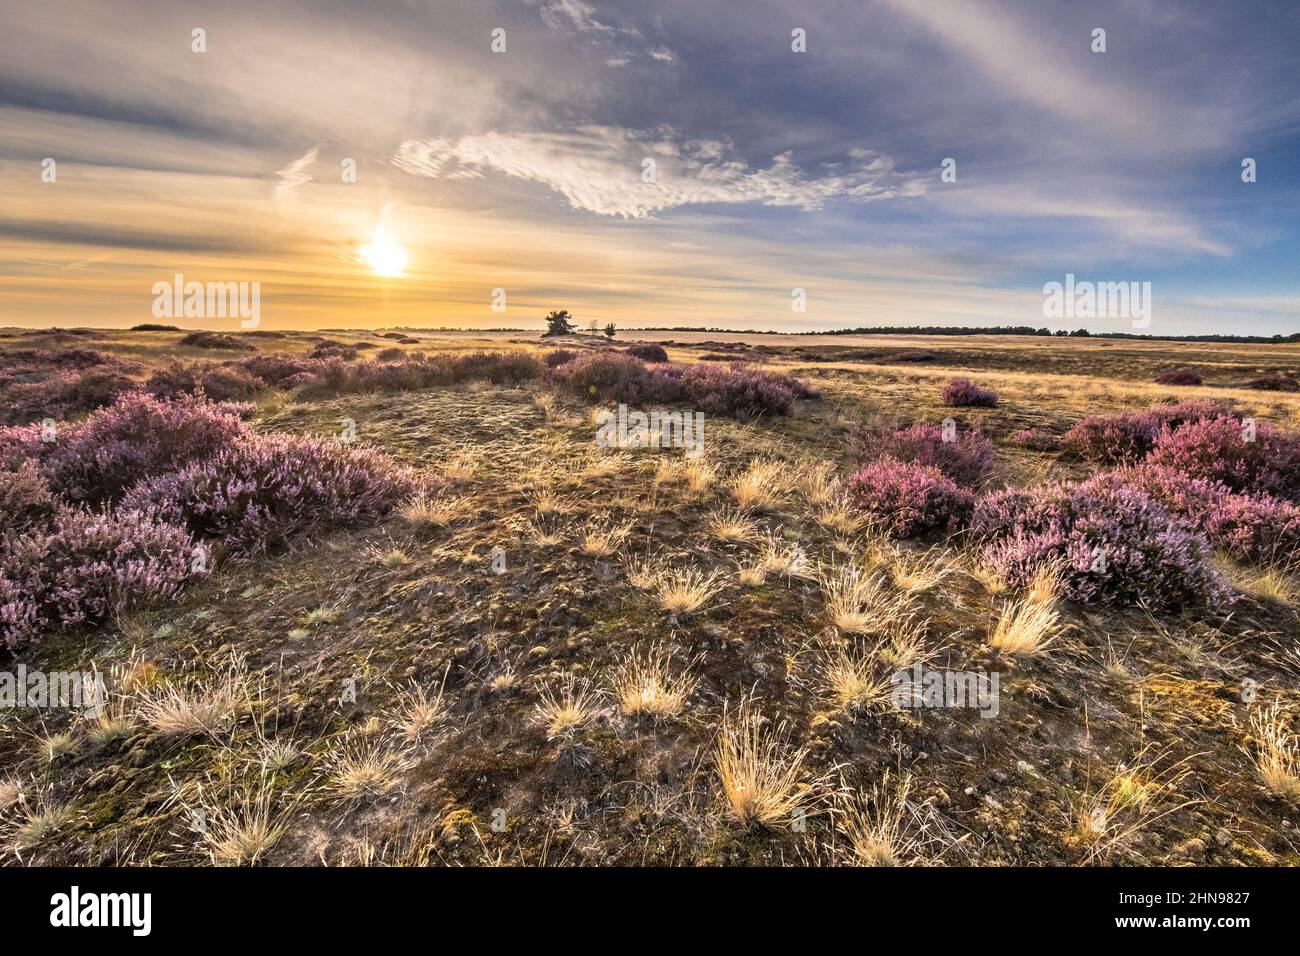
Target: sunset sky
{"x": 775, "y": 170}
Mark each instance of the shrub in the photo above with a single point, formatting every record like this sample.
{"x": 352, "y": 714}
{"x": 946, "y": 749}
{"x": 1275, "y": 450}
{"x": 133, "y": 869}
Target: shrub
{"x": 963, "y": 393}
{"x": 1178, "y": 376}
{"x": 648, "y": 352}
{"x": 1244, "y": 456}
{"x": 914, "y": 355}
{"x": 1034, "y": 439}
{"x": 968, "y": 459}
{"x": 909, "y": 499}
{"x": 259, "y": 492}
{"x": 739, "y": 391}
{"x": 216, "y": 340}
{"x": 613, "y": 376}
{"x": 557, "y": 357}
{"x": 390, "y": 355}
{"x": 25, "y": 499}
{"x": 137, "y": 437}
{"x": 1111, "y": 543}
{"x": 272, "y": 369}
{"x": 1129, "y": 436}
{"x": 65, "y": 394}
{"x": 83, "y": 567}
{"x": 1249, "y": 527}
{"x": 496, "y": 367}
{"x": 218, "y": 383}
{"x": 1275, "y": 382}
{"x": 154, "y": 327}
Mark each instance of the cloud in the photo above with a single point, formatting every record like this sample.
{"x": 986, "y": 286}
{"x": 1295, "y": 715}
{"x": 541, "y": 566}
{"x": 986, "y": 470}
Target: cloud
{"x": 579, "y": 19}
{"x": 599, "y": 169}
{"x": 295, "y": 174}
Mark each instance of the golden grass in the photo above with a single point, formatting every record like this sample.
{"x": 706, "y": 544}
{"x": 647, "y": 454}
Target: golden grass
{"x": 418, "y": 710}
{"x": 1276, "y": 753}
{"x": 682, "y": 591}
{"x": 760, "y": 486}
{"x": 566, "y": 710}
{"x": 462, "y": 467}
{"x": 700, "y": 476}
{"x": 543, "y": 531}
{"x": 1046, "y": 584}
{"x": 731, "y": 525}
{"x": 857, "y": 601}
{"x": 840, "y": 516}
{"x": 55, "y": 746}
{"x": 600, "y": 538}
{"x": 1024, "y": 627}
{"x": 1270, "y": 582}
{"x": 760, "y": 776}
{"x": 39, "y": 822}
{"x": 427, "y": 512}
{"x": 1131, "y": 799}
{"x": 880, "y": 825}
{"x": 647, "y": 684}
{"x": 817, "y": 481}
{"x": 914, "y": 573}
{"x": 192, "y": 708}
{"x": 240, "y": 834}
{"x": 855, "y": 678}
{"x": 778, "y": 557}
{"x": 361, "y": 767}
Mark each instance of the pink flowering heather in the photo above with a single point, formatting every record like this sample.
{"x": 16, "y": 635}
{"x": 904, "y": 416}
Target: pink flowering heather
{"x": 259, "y": 492}
{"x": 1246, "y": 457}
{"x": 139, "y": 436}
{"x": 963, "y": 393}
{"x": 81, "y": 567}
{"x": 216, "y": 382}
{"x": 1129, "y": 436}
{"x": 25, "y": 499}
{"x": 1115, "y": 544}
{"x": 909, "y": 499}
{"x": 616, "y": 377}
{"x": 63, "y": 394}
{"x": 740, "y": 391}
{"x": 968, "y": 459}
{"x": 648, "y": 352}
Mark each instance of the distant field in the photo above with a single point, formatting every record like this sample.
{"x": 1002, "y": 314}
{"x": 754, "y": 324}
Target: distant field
{"x": 516, "y": 645}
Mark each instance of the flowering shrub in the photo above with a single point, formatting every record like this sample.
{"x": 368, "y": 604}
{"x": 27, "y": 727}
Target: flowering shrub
{"x": 613, "y": 376}
{"x": 740, "y": 391}
{"x": 81, "y": 567}
{"x": 391, "y": 355}
{"x": 967, "y": 459}
{"x": 1113, "y": 543}
{"x": 557, "y": 357}
{"x": 497, "y": 367}
{"x": 1250, "y": 458}
{"x": 139, "y": 436}
{"x": 271, "y": 369}
{"x": 256, "y": 493}
{"x": 1248, "y": 527}
{"x": 1034, "y": 439}
{"x": 1129, "y": 436}
{"x": 25, "y": 499}
{"x": 908, "y": 499}
{"x": 64, "y": 394}
{"x": 218, "y": 383}
{"x": 648, "y": 352}
{"x": 963, "y": 393}
{"x": 1178, "y": 376}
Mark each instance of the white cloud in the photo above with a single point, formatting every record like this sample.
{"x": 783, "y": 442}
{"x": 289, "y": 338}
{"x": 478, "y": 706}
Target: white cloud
{"x": 598, "y": 168}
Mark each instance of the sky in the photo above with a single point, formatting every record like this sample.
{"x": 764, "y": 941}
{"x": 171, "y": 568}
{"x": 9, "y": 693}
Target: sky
{"x": 666, "y": 163}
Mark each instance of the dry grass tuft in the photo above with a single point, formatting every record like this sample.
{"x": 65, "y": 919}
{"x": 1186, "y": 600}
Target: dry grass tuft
{"x": 648, "y": 685}
{"x": 563, "y": 712}
{"x": 1046, "y": 584}
{"x": 427, "y": 512}
{"x": 882, "y": 826}
{"x": 817, "y": 481}
{"x": 39, "y": 822}
{"x": 543, "y": 531}
{"x": 361, "y": 767}
{"x": 600, "y": 538}
{"x": 686, "y": 591}
{"x": 418, "y": 710}
{"x": 1024, "y": 627}
{"x": 1277, "y": 752}
{"x": 462, "y": 467}
{"x": 732, "y": 525}
{"x": 700, "y": 476}
{"x": 760, "y": 486}
{"x": 1134, "y": 797}
{"x": 840, "y": 516}
{"x": 855, "y": 678}
{"x": 915, "y": 573}
{"x": 761, "y": 777}
{"x": 857, "y": 601}
{"x": 189, "y": 709}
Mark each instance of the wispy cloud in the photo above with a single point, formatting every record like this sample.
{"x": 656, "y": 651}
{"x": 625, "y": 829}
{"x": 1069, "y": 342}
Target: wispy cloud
{"x": 295, "y": 174}
{"x": 601, "y": 169}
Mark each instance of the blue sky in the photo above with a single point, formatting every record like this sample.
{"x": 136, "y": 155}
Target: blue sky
{"x": 774, "y": 169}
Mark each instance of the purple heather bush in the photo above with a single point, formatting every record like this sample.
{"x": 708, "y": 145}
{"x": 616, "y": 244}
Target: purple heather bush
{"x": 968, "y": 459}
{"x": 909, "y": 499}
{"x": 218, "y": 383}
{"x": 557, "y": 357}
{"x": 1276, "y": 382}
{"x": 390, "y": 355}
{"x": 25, "y": 499}
{"x": 272, "y": 369}
{"x": 613, "y": 376}
{"x": 1178, "y": 376}
{"x": 1128, "y": 436}
{"x": 1113, "y": 543}
{"x": 648, "y": 352}
{"x": 963, "y": 393}
{"x": 64, "y": 394}
{"x": 139, "y": 436}
{"x": 81, "y": 567}
{"x": 257, "y": 493}
{"x": 740, "y": 391}
{"x": 1249, "y": 527}
{"x": 1244, "y": 456}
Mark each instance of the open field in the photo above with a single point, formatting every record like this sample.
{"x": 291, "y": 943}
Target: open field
{"x": 546, "y": 651}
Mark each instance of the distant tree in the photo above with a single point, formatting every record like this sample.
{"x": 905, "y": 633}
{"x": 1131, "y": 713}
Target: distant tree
{"x": 558, "y": 323}
{"x": 593, "y": 327}
{"x": 609, "y": 331}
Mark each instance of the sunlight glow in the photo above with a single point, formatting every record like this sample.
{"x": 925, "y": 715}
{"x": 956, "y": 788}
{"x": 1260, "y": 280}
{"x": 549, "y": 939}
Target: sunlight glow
{"x": 385, "y": 257}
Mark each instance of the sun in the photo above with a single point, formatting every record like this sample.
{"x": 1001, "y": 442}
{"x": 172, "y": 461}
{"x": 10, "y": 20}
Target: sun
{"x": 385, "y": 257}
